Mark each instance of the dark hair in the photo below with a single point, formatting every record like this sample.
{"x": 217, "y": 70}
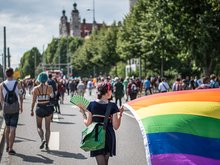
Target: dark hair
{"x": 103, "y": 88}
{"x": 9, "y": 72}
{"x": 50, "y": 75}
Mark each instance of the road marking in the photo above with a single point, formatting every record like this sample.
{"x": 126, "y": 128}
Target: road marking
{"x": 54, "y": 143}
{"x": 74, "y": 106}
{"x": 55, "y": 117}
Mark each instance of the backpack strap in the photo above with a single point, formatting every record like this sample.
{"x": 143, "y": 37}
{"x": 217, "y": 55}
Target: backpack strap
{"x": 6, "y": 88}
{"x": 107, "y": 113}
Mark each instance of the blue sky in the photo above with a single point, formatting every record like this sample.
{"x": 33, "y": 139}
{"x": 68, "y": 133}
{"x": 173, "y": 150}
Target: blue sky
{"x": 32, "y": 23}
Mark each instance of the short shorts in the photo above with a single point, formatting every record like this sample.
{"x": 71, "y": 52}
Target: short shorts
{"x": 44, "y": 110}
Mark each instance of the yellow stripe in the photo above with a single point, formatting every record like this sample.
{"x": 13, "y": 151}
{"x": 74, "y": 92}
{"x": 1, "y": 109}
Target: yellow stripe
{"x": 208, "y": 109}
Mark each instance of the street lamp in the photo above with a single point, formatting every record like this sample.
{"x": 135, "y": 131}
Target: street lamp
{"x": 93, "y": 12}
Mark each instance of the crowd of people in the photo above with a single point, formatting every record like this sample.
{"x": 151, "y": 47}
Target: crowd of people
{"x": 128, "y": 88}
{"x": 48, "y": 93}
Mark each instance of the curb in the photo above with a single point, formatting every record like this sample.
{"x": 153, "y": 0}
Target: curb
{"x": 2, "y": 137}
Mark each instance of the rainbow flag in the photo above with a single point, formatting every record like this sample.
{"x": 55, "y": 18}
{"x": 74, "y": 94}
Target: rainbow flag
{"x": 180, "y": 128}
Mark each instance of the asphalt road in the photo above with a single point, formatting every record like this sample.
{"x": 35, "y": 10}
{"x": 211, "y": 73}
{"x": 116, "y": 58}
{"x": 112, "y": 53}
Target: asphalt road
{"x": 65, "y": 139}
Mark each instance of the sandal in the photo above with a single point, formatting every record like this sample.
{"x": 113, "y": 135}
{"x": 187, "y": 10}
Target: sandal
{"x": 42, "y": 144}
{"x": 11, "y": 152}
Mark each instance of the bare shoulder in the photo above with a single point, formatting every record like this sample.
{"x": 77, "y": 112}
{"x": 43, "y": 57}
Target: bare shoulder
{"x": 35, "y": 89}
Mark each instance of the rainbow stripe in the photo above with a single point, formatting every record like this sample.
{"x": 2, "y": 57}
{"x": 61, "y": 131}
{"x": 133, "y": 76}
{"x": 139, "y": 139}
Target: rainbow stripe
{"x": 180, "y": 128}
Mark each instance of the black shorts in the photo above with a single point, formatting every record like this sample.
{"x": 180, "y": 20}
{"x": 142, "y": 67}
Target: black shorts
{"x": 11, "y": 120}
{"x": 44, "y": 110}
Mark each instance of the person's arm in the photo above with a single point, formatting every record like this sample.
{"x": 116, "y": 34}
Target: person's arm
{"x": 1, "y": 94}
{"x": 34, "y": 96}
{"x": 116, "y": 119}
{"x": 87, "y": 116}
{"x": 20, "y": 97}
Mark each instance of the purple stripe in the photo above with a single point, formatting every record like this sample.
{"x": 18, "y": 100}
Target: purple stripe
{"x": 181, "y": 159}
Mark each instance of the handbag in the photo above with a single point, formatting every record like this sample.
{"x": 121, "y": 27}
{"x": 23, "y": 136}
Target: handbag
{"x": 94, "y": 136}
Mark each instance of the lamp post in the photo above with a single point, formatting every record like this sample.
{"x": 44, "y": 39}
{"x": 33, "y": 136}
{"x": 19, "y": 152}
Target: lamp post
{"x": 93, "y": 28}
{"x": 93, "y": 13}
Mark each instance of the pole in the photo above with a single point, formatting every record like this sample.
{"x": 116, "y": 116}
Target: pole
{"x": 9, "y": 58}
{"x": 93, "y": 28}
{"x": 4, "y": 56}
{"x": 35, "y": 69}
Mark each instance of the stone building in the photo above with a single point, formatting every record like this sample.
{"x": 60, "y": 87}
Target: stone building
{"x": 74, "y": 27}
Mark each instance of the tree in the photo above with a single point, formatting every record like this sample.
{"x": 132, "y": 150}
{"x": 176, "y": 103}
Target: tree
{"x": 29, "y": 62}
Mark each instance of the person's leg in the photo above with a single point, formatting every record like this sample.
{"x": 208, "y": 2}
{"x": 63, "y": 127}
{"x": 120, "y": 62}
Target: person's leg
{"x": 7, "y": 131}
{"x": 107, "y": 158}
{"x": 120, "y": 102}
{"x": 39, "y": 127}
{"x": 11, "y": 138}
{"x": 47, "y": 127}
{"x": 100, "y": 159}
{"x": 12, "y": 131}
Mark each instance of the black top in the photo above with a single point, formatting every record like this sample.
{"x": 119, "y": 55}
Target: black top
{"x": 98, "y": 111}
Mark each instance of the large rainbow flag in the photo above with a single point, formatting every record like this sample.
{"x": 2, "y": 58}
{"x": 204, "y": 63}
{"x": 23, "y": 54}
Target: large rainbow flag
{"x": 180, "y": 128}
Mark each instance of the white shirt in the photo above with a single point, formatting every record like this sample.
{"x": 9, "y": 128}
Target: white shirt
{"x": 163, "y": 86}
{"x": 10, "y": 85}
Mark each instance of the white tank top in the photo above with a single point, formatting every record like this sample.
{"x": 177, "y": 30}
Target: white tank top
{"x": 10, "y": 85}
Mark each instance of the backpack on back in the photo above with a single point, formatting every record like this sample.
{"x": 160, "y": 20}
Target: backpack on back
{"x": 11, "y": 104}
{"x": 134, "y": 89}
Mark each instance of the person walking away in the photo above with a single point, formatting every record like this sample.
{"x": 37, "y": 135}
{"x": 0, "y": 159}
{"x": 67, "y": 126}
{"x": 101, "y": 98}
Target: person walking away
{"x": 96, "y": 113}
{"x": 147, "y": 86}
{"x": 11, "y": 101}
{"x": 41, "y": 95}
{"x": 81, "y": 88}
{"x": 125, "y": 84}
{"x": 54, "y": 99}
{"x": 118, "y": 91}
{"x": 205, "y": 83}
{"x": 163, "y": 86}
{"x": 214, "y": 83}
{"x": 132, "y": 89}
{"x": 90, "y": 87}
{"x": 177, "y": 85}
{"x": 61, "y": 90}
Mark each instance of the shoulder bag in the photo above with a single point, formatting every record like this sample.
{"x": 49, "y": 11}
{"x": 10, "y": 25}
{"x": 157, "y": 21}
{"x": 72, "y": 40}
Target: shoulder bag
{"x": 93, "y": 136}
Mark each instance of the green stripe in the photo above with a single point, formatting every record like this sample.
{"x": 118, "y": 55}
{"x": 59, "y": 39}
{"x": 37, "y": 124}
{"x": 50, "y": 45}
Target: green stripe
{"x": 190, "y": 124}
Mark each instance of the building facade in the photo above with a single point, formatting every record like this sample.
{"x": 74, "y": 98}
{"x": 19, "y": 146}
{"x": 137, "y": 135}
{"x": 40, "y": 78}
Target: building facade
{"x": 74, "y": 27}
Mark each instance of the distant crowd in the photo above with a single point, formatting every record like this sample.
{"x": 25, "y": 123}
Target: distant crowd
{"x": 129, "y": 88}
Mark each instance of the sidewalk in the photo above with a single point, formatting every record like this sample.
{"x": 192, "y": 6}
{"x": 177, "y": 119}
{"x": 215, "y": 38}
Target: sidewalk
{"x": 2, "y": 128}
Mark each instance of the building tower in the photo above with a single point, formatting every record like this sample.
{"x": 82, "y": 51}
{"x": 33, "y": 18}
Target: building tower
{"x": 75, "y": 22}
{"x": 132, "y": 3}
{"x": 64, "y": 26}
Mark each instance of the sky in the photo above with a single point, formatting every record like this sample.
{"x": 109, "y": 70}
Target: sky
{"x": 33, "y": 23}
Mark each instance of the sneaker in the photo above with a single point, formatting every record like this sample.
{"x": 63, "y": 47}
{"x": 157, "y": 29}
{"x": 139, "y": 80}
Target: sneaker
{"x": 42, "y": 144}
{"x": 11, "y": 152}
{"x": 7, "y": 149}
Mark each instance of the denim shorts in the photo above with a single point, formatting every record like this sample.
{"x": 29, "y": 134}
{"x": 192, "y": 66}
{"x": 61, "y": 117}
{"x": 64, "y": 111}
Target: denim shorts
{"x": 11, "y": 120}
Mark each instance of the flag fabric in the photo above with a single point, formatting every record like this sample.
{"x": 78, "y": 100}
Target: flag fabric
{"x": 180, "y": 128}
